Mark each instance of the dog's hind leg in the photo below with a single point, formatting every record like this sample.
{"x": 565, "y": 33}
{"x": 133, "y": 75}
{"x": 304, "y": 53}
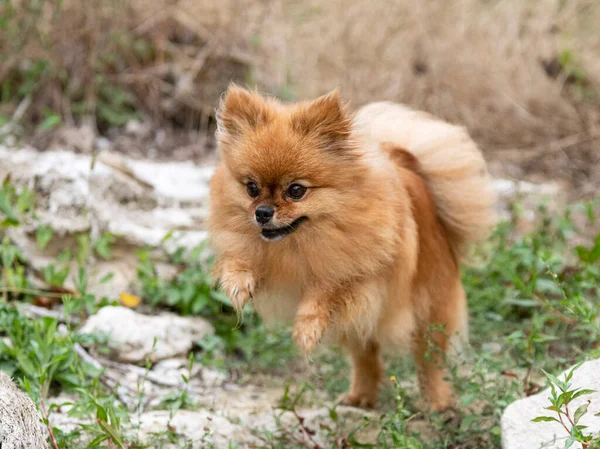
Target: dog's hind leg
{"x": 367, "y": 373}
{"x": 435, "y": 342}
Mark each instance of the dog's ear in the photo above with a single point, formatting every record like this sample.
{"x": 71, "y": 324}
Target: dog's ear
{"x": 240, "y": 111}
{"x": 326, "y": 118}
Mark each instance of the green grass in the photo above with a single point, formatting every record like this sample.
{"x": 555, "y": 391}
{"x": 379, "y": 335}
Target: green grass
{"x": 533, "y": 309}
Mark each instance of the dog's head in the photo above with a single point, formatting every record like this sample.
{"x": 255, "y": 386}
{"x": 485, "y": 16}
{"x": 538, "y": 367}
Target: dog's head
{"x": 288, "y": 166}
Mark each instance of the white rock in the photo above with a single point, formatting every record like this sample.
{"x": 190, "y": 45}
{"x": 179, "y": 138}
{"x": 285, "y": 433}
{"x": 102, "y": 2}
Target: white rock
{"x": 117, "y": 190}
{"x": 172, "y": 370}
{"x": 132, "y": 334}
{"x": 200, "y": 429}
{"x": 138, "y": 201}
{"x": 528, "y": 194}
{"x": 20, "y": 424}
{"x": 67, "y": 420}
{"x": 518, "y": 432}
{"x": 509, "y": 188}
{"x": 63, "y": 403}
{"x": 182, "y": 181}
{"x": 251, "y": 405}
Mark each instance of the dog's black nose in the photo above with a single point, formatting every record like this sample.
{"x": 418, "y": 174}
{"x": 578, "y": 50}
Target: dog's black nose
{"x": 264, "y": 214}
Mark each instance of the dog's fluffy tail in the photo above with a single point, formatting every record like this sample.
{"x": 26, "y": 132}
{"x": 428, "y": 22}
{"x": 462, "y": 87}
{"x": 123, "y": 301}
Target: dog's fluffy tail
{"x": 449, "y": 161}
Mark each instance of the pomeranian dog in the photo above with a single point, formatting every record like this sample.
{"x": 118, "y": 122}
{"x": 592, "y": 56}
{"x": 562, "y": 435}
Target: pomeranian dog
{"x": 350, "y": 225}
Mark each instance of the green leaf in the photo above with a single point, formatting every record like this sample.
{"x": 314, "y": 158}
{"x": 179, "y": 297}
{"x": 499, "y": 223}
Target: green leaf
{"x": 591, "y": 255}
{"x": 569, "y": 442}
{"x": 555, "y": 380}
{"x": 7, "y": 209}
{"x": 43, "y": 236}
{"x": 582, "y": 253}
{"x": 468, "y": 398}
{"x": 188, "y": 292}
{"x": 173, "y": 297}
{"x": 101, "y": 413}
{"x": 25, "y": 200}
{"x": 569, "y": 375}
{"x": 50, "y": 122}
{"x": 544, "y": 419}
{"x": 581, "y": 410}
{"x": 543, "y": 338}
{"x": 167, "y": 237}
{"x": 553, "y": 408}
{"x": 467, "y": 422}
{"x": 83, "y": 249}
{"x": 107, "y": 277}
{"x": 548, "y": 286}
{"x": 113, "y": 434}
{"x": 26, "y": 365}
{"x": 582, "y": 393}
{"x": 333, "y": 415}
{"x": 594, "y": 254}
{"x": 8, "y": 222}
{"x": 221, "y": 297}
{"x": 198, "y": 305}
{"x": 96, "y": 441}
{"x": 103, "y": 245}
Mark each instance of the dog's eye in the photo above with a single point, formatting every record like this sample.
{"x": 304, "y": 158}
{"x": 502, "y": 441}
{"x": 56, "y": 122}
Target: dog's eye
{"x": 252, "y": 189}
{"x": 296, "y": 191}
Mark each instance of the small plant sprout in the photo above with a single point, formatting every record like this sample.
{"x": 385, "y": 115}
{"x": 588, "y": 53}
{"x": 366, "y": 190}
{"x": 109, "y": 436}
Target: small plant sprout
{"x": 562, "y": 394}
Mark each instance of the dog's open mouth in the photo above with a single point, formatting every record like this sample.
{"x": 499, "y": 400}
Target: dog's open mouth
{"x": 274, "y": 234}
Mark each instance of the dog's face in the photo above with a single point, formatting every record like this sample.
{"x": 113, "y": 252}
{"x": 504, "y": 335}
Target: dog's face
{"x": 288, "y": 166}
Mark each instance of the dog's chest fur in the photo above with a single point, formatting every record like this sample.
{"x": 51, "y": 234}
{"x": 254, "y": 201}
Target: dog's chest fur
{"x": 277, "y": 301}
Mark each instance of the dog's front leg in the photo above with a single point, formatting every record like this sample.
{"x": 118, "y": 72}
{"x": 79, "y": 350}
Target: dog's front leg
{"x": 313, "y": 317}
{"x": 237, "y": 280}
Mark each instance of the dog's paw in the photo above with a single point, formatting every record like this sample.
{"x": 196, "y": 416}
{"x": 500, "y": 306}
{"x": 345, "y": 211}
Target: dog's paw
{"x": 450, "y": 416}
{"x": 440, "y": 397}
{"x": 308, "y": 331}
{"x": 360, "y": 400}
{"x": 239, "y": 286}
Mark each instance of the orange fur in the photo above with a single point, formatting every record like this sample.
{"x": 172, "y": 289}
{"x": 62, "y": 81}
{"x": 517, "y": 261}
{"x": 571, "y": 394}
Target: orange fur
{"x": 376, "y": 261}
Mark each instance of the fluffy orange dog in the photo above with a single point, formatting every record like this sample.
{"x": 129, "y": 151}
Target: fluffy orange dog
{"x": 351, "y": 225}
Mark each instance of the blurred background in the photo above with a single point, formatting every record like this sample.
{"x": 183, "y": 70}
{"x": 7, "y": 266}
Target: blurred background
{"x": 522, "y": 76}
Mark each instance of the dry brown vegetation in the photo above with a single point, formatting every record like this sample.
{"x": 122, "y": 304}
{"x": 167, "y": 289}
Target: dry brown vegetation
{"x": 523, "y": 76}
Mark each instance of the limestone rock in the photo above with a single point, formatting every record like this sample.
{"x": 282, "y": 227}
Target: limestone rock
{"x": 529, "y": 195}
{"x": 20, "y": 424}
{"x": 518, "y": 432}
{"x": 199, "y": 429}
{"x": 140, "y": 202}
{"x": 172, "y": 370}
{"x": 132, "y": 334}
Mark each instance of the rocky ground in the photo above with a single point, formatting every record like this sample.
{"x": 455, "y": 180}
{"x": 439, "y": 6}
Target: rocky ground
{"x": 141, "y": 201}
